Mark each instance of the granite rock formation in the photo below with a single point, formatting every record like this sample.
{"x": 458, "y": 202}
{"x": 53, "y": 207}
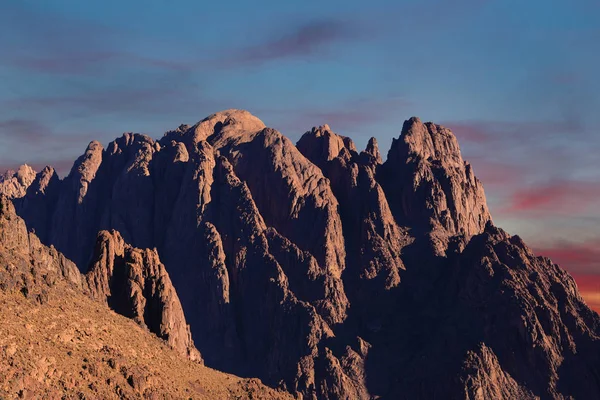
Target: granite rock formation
{"x": 320, "y": 269}
{"x": 135, "y": 284}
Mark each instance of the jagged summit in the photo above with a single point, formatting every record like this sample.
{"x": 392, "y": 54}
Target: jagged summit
{"x": 321, "y": 144}
{"x": 14, "y": 184}
{"x": 321, "y": 270}
{"x": 431, "y": 187}
{"x": 427, "y": 140}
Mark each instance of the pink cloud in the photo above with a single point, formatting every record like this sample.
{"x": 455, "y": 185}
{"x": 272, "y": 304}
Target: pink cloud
{"x": 486, "y": 132}
{"x": 560, "y": 196}
{"x": 496, "y": 173}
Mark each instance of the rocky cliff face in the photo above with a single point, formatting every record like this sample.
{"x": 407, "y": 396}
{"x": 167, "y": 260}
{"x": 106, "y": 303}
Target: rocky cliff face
{"x": 321, "y": 269}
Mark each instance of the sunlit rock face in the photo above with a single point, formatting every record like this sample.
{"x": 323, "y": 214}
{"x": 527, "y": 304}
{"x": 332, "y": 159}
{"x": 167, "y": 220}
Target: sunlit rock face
{"x": 14, "y": 184}
{"x": 323, "y": 269}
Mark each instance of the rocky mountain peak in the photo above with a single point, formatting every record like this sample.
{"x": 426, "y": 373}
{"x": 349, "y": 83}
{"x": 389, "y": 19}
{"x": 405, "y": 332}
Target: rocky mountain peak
{"x": 430, "y": 187}
{"x": 321, "y": 145}
{"x": 426, "y": 141}
{"x": 231, "y": 121}
{"x": 14, "y": 184}
{"x": 46, "y": 179}
{"x": 372, "y": 150}
{"x": 84, "y": 170}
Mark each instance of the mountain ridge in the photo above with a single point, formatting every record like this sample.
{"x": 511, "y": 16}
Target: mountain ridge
{"x": 301, "y": 263}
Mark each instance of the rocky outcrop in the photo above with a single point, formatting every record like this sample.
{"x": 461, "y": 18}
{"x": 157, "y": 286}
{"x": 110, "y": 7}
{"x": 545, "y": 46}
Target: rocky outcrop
{"x": 321, "y": 145}
{"x": 135, "y": 284}
{"x": 26, "y": 265}
{"x": 318, "y": 268}
{"x": 296, "y": 192}
{"x": 14, "y": 184}
{"x": 485, "y": 379}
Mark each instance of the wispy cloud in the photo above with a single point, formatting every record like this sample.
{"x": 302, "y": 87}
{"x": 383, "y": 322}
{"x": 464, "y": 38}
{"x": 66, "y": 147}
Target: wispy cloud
{"x": 485, "y": 132}
{"x": 78, "y": 62}
{"x": 23, "y": 130}
{"x": 304, "y": 40}
{"x": 496, "y": 172}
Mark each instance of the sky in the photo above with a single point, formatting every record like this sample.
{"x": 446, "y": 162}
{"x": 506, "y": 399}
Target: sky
{"x": 517, "y": 81}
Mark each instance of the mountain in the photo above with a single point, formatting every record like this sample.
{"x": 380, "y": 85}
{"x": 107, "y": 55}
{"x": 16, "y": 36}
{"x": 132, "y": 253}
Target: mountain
{"x": 319, "y": 269}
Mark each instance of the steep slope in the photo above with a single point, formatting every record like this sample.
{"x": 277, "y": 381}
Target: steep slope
{"x": 132, "y": 282}
{"x": 322, "y": 270}
{"x": 56, "y": 342}
{"x": 493, "y": 321}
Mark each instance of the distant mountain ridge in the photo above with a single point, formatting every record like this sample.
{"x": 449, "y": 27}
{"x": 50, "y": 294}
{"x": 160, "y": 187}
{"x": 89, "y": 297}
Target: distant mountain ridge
{"x": 321, "y": 269}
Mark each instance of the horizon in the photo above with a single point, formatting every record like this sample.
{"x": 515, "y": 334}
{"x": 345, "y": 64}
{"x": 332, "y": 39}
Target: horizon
{"x": 515, "y": 82}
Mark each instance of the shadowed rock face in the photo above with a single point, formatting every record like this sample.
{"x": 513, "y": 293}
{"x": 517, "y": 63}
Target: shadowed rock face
{"x": 25, "y": 261}
{"x": 319, "y": 269}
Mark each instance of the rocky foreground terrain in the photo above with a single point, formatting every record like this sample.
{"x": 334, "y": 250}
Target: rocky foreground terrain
{"x": 324, "y": 271}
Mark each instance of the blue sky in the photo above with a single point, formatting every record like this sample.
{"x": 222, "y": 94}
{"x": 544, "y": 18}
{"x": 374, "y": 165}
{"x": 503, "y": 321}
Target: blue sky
{"x": 516, "y": 80}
